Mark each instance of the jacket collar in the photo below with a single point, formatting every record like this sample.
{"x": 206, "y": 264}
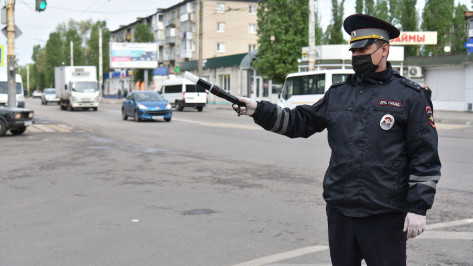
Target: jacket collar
{"x": 383, "y": 76}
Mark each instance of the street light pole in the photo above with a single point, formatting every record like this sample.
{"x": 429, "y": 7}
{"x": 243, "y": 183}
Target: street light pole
{"x": 11, "y": 53}
{"x": 311, "y": 35}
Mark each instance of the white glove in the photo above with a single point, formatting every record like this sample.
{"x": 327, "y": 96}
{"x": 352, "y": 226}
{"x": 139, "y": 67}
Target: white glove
{"x": 414, "y": 224}
{"x": 250, "y": 106}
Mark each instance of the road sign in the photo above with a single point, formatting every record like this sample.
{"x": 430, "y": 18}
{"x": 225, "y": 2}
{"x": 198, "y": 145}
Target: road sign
{"x": 18, "y": 32}
{"x": 469, "y": 45}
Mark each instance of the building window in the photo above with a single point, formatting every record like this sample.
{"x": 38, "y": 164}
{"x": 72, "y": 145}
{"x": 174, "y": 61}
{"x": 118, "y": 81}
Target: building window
{"x": 252, "y": 28}
{"x": 253, "y": 9}
{"x": 220, "y": 47}
{"x": 220, "y": 27}
{"x": 224, "y": 81}
{"x": 251, "y": 47}
{"x": 221, "y": 8}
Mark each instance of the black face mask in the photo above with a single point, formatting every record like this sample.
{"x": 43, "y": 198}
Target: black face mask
{"x": 363, "y": 64}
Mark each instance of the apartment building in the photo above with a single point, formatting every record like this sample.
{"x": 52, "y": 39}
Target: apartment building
{"x": 223, "y": 27}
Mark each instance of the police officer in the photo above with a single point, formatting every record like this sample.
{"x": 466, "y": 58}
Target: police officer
{"x": 384, "y": 166}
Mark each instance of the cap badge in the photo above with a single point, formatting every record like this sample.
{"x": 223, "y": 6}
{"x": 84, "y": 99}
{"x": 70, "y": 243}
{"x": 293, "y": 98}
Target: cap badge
{"x": 387, "y": 122}
{"x": 353, "y": 34}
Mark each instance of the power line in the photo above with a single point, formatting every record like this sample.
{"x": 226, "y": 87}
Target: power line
{"x": 96, "y": 11}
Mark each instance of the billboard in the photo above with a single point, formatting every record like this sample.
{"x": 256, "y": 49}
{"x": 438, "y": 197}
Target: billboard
{"x": 415, "y": 38}
{"x": 133, "y": 55}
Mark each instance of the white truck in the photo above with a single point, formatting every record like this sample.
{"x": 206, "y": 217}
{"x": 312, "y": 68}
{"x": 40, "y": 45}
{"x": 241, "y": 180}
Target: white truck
{"x": 77, "y": 87}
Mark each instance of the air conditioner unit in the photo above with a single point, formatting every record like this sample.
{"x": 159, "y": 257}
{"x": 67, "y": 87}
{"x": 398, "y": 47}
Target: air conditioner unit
{"x": 414, "y": 72}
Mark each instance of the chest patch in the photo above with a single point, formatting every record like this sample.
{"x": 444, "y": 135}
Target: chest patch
{"x": 430, "y": 115}
{"x": 387, "y": 122}
{"x": 390, "y": 103}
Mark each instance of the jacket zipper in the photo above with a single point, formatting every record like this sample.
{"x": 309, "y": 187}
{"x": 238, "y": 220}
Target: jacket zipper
{"x": 340, "y": 109}
{"x": 399, "y": 174}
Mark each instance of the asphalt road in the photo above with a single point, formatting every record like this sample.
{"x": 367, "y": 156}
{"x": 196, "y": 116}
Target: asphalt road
{"x": 207, "y": 188}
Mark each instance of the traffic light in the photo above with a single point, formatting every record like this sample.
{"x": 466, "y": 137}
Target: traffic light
{"x": 41, "y": 5}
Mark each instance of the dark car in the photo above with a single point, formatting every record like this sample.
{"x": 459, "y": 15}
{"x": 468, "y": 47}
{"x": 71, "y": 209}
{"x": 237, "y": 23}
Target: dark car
{"x": 146, "y": 105}
{"x": 15, "y": 119}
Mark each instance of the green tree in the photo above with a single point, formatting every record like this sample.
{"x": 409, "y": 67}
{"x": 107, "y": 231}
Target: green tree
{"x": 143, "y": 34}
{"x": 38, "y": 68}
{"x": 319, "y": 32}
{"x": 382, "y": 11}
{"x": 459, "y": 36}
{"x": 359, "y": 6}
{"x": 437, "y": 16}
{"x": 282, "y": 31}
{"x": 57, "y": 50}
{"x": 395, "y": 11}
{"x": 78, "y": 54}
{"x": 54, "y": 57}
{"x": 92, "y": 49}
{"x": 335, "y": 28}
{"x": 369, "y": 7}
{"x": 409, "y": 23}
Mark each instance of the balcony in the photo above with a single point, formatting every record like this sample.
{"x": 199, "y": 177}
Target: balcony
{"x": 168, "y": 57}
{"x": 186, "y": 54}
{"x": 170, "y": 39}
{"x": 187, "y": 17}
{"x": 169, "y": 23}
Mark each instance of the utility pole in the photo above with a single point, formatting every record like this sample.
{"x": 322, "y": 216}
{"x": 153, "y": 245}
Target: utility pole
{"x": 11, "y": 53}
{"x": 201, "y": 25}
{"x": 311, "y": 35}
{"x": 28, "y": 78}
{"x": 100, "y": 64}
{"x": 72, "y": 53}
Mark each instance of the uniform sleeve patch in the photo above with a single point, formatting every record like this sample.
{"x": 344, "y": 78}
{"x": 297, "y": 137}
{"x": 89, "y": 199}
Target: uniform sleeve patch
{"x": 390, "y": 103}
{"x": 430, "y": 115}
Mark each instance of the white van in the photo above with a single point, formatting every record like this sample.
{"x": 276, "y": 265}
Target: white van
{"x": 180, "y": 93}
{"x": 308, "y": 87}
{"x": 20, "y": 97}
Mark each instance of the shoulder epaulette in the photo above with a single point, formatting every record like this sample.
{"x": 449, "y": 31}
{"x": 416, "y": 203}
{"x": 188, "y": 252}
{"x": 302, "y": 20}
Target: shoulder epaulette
{"x": 411, "y": 84}
{"x": 336, "y": 84}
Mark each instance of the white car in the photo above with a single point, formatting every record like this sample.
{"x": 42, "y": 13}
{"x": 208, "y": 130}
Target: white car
{"x": 37, "y": 94}
{"x": 49, "y": 95}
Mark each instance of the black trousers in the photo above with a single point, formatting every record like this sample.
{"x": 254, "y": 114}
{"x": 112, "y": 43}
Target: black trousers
{"x": 378, "y": 239}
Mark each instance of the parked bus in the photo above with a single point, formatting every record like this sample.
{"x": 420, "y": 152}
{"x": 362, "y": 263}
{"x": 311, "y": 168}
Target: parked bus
{"x": 308, "y": 87}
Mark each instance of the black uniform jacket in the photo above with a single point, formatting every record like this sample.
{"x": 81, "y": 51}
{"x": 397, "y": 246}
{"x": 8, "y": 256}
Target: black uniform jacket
{"x": 383, "y": 138}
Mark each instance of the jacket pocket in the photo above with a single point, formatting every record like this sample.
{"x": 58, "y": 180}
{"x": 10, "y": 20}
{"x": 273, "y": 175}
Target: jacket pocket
{"x": 389, "y": 109}
{"x": 334, "y": 183}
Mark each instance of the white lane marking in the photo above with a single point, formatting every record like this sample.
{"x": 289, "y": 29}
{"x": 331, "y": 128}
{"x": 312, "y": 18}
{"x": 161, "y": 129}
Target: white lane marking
{"x": 446, "y": 235}
{"x": 450, "y": 126}
{"x": 44, "y": 128}
{"x": 283, "y": 256}
{"x": 213, "y": 124}
{"x": 448, "y": 224}
{"x": 219, "y": 124}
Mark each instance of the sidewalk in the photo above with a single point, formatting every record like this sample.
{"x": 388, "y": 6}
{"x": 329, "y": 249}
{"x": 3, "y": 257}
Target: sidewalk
{"x": 441, "y": 117}
{"x": 453, "y": 117}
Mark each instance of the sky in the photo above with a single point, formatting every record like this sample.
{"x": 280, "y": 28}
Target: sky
{"x": 36, "y": 26}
